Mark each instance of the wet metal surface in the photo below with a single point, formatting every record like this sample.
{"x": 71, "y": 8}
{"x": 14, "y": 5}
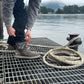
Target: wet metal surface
{"x": 22, "y": 71}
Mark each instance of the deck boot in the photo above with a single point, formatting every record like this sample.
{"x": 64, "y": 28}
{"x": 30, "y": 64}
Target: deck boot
{"x": 11, "y": 47}
{"x": 25, "y": 51}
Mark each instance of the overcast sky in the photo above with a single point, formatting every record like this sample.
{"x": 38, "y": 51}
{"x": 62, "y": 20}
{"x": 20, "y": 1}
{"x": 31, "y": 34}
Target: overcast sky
{"x": 78, "y": 2}
{"x": 67, "y": 1}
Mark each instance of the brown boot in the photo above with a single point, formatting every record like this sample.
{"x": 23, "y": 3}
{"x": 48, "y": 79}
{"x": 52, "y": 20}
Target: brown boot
{"x": 25, "y": 51}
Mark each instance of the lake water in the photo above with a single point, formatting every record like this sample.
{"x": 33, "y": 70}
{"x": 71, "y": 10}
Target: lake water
{"x": 57, "y": 27}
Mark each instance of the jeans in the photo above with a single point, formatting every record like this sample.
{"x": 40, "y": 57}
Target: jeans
{"x": 19, "y": 24}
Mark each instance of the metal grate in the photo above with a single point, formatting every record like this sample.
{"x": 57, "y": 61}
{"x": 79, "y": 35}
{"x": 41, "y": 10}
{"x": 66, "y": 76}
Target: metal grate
{"x": 22, "y": 71}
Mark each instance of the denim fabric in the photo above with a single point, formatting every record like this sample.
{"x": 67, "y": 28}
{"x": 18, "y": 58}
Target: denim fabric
{"x": 20, "y": 21}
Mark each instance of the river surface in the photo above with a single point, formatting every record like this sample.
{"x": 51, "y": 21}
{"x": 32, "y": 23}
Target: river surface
{"x": 57, "y": 27}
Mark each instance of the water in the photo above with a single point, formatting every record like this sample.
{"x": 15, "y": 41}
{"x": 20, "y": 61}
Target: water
{"x": 57, "y": 27}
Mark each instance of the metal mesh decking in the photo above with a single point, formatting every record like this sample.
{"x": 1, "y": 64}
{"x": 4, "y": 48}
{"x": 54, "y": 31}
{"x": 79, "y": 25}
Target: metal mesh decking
{"x": 22, "y": 71}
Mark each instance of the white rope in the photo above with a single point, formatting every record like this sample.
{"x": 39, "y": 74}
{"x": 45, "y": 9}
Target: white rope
{"x": 73, "y": 63}
{"x": 73, "y": 60}
{"x": 71, "y": 41}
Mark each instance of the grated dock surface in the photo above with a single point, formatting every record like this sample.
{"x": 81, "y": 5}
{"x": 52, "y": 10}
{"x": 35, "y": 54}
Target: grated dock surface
{"x": 22, "y": 71}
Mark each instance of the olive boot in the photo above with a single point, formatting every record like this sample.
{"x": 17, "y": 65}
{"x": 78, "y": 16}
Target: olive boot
{"x": 10, "y": 47}
{"x": 25, "y": 51}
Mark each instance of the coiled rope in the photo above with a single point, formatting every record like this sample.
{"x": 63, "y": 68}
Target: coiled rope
{"x": 72, "y": 58}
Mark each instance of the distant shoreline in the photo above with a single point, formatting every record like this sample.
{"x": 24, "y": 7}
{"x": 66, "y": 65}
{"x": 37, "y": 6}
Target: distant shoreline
{"x": 70, "y": 9}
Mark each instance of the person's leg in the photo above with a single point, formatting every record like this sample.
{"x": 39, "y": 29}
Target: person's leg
{"x": 20, "y": 21}
{"x": 20, "y": 16}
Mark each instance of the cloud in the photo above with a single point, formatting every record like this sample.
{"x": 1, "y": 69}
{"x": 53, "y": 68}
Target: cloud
{"x": 71, "y": 2}
{"x": 68, "y": 2}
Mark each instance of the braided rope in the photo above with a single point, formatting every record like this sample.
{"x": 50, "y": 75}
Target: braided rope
{"x": 73, "y": 62}
{"x": 71, "y": 41}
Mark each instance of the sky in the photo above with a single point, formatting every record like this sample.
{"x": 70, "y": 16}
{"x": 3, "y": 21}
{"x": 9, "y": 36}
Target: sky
{"x": 68, "y": 2}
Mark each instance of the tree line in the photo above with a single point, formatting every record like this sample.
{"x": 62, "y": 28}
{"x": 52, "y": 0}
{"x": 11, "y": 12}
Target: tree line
{"x": 71, "y": 9}
{"x": 45, "y": 10}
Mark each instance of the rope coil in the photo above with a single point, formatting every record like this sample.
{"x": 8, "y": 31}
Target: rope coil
{"x": 72, "y": 61}
{"x": 73, "y": 58}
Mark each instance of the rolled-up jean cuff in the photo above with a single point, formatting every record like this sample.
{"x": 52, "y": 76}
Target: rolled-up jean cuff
{"x": 12, "y": 40}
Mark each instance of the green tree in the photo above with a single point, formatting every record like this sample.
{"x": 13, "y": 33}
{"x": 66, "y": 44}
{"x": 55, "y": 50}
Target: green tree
{"x": 75, "y": 9}
{"x": 59, "y": 11}
{"x": 81, "y": 9}
{"x": 50, "y": 10}
{"x": 45, "y": 10}
{"x": 71, "y": 9}
{"x": 68, "y": 9}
